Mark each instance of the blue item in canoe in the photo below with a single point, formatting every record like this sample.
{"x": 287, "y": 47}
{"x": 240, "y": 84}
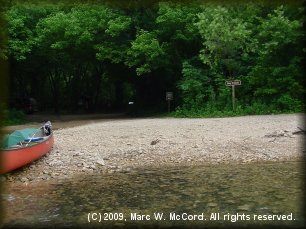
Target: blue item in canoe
{"x": 33, "y": 139}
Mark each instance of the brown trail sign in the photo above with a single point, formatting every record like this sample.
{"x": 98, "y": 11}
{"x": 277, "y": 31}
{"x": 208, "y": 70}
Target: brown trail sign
{"x": 233, "y": 83}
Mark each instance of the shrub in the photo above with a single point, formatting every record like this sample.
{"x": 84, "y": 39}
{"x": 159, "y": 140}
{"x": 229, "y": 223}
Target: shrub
{"x": 12, "y": 117}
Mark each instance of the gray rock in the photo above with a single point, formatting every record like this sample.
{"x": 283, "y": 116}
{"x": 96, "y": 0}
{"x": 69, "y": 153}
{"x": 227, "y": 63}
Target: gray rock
{"x": 24, "y": 179}
{"x": 45, "y": 177}
{"x": 154, "y": 142}
{"x": 101, "y": 162}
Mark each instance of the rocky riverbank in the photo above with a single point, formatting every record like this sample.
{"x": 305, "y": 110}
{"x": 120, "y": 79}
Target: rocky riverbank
{"x": 122, "y": 145}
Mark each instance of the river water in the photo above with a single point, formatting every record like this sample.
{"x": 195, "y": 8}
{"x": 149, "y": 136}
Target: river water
{"x": 236, "y": 191}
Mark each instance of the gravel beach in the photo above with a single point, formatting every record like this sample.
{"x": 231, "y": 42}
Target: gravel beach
{"x": 124, "y": 144}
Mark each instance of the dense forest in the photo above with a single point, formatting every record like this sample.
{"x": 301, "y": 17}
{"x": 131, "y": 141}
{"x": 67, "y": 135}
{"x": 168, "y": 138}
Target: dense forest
{"x": 98, "y": 57}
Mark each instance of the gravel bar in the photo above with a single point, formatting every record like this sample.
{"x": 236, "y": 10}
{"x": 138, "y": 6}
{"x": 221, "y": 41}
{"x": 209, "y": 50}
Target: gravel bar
{"x": 123, "y": 145}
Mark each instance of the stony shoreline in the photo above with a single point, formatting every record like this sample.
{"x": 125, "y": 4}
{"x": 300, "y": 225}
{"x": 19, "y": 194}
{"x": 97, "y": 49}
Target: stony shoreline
{"x": 123, "y": 145}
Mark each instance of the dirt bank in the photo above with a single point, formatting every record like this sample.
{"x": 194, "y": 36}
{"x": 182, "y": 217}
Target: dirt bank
{"x": 121, "y": 145}
{"x": 64, "y": 121}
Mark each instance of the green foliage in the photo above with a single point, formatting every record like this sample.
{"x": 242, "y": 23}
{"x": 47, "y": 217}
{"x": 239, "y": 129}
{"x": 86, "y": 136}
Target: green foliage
{"x": 146, "y": 52}
{"x": 209, "y": 110}
{"x": 287, "y": 103}
{"x": 278, "y": 65}
{"x": 176, "y": 23}
{"x": 13, "y": 117}
{"x": 63, "y": 53}
{"x": 224, "y": 37}
{"x": 113, "y": 39}
{"x": 194, "y": 85}
{"x": 20, "y": 28}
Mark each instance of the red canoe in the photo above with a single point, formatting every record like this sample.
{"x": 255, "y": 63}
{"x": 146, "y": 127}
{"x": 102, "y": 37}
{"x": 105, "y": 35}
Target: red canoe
{"x": 14, "y": 158}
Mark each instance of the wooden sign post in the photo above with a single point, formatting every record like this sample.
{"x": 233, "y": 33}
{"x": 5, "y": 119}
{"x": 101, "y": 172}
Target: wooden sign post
{"x": 233, "y": 83}
{"x": 169, "y": 97}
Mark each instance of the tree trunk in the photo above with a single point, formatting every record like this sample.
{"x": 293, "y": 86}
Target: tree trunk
{"x": 53, "y": 78}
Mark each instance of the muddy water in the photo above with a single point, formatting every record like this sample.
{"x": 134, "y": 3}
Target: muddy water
{"x": 238, "y": 191}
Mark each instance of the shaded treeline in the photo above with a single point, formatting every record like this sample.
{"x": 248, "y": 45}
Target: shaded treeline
{"x": 100, "y": 56}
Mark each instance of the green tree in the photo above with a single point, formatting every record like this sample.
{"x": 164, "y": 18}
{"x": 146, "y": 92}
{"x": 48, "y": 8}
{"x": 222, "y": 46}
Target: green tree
{"x": 276, "y": 76}
{"x": 60, "y": 53}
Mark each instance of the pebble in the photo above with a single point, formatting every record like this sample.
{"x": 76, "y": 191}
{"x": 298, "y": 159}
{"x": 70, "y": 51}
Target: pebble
{"x": 24, "y": 179}
{"x": 54, "y": 175}
{"x": 44, "y": 177}
{"x": 212, "y": 205}
{"x": 101, "y": 162}
{"x": 245, "y": 207}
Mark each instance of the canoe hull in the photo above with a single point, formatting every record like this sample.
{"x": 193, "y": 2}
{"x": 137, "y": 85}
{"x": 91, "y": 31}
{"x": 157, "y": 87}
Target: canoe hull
{"x": 15, "y": 158}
